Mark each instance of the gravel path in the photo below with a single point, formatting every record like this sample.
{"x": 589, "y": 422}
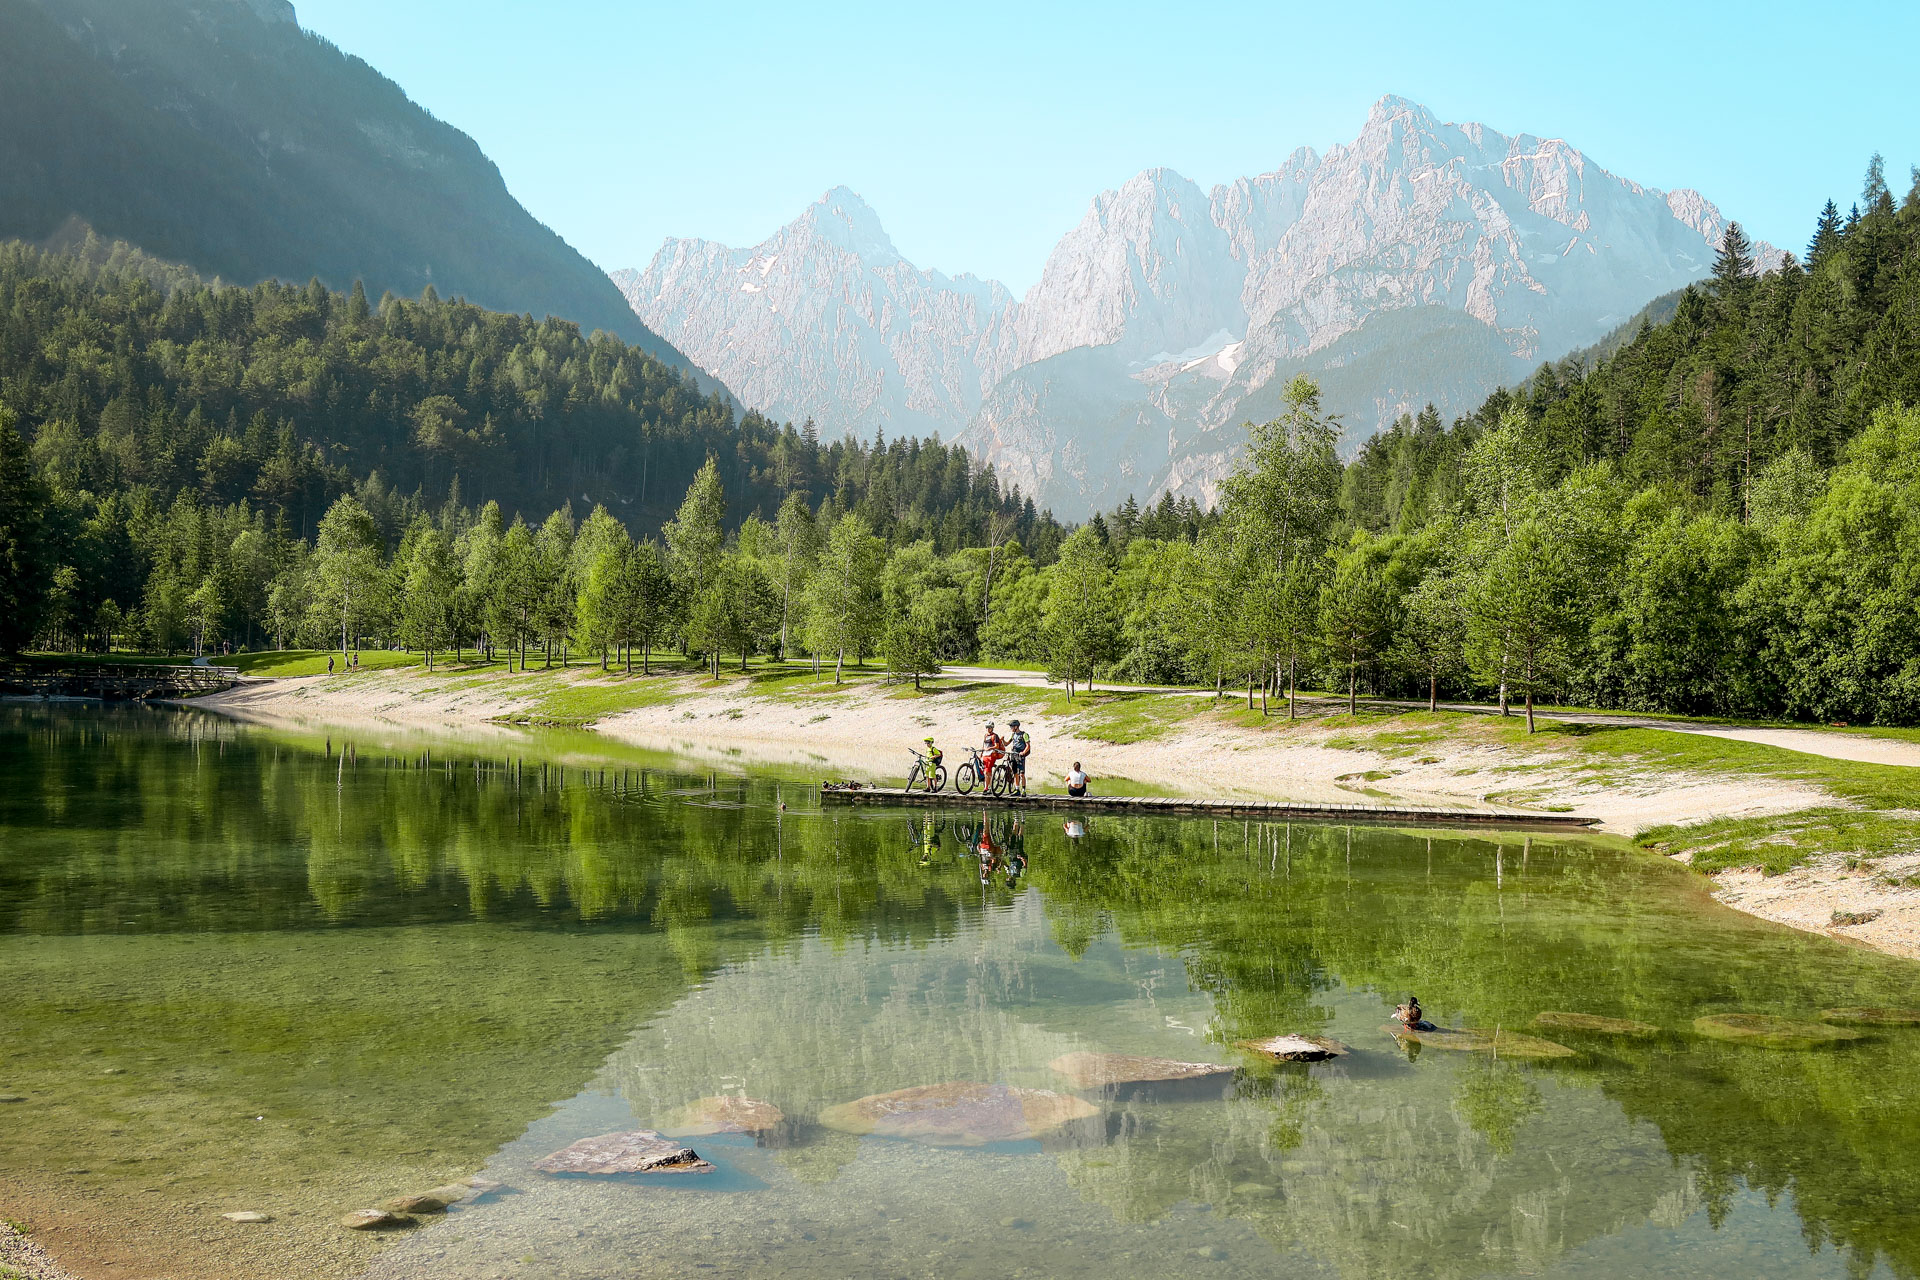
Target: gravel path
{"x": 27, "y": 1258}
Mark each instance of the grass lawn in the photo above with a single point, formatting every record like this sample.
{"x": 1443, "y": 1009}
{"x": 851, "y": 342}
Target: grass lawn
{"x": 313, "y": 662}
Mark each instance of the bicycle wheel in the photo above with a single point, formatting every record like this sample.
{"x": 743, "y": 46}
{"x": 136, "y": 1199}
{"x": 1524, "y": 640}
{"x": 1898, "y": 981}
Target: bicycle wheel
{"x": 1002, "y": 780}
{"x": 913, "y": 779}
{"x": 940, "y": 778}
{"x": 963, "y": 778}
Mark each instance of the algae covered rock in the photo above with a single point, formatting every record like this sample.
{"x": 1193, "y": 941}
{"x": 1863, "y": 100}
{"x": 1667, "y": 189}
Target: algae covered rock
{"x": 1439, "y": 1037}
{"x": 642, "y": 1151}
{"x": 1292, "y": 1048}
{"x": 425, "y": 1202}
{"x": 1511, "y": 1044}
{"x": 372, "y": 1220}
{"x": 725, "y": 1114}
{"x": 1872, "y": 1016}
{"x": 1503, "y": 1043}
{"x": 1595, "y": 1024}
{"x": 959, "y": 1113}
{"x": 1099, "y": 1070}
{"x": 1768, "y": 1032}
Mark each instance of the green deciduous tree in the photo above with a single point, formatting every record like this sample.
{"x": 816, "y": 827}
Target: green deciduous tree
{"x": 349, "y": 584}
{"x": 1082, "y": 630}
{"x": 844, "y": 609}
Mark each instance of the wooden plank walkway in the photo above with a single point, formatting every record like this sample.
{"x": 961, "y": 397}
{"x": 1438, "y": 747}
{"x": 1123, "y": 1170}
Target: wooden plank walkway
{"x": 1174, "y": 806}
{"x": 112, "y": 681}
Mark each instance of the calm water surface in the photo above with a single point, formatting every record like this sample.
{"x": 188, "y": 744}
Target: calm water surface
{"x": 243, "y": 969}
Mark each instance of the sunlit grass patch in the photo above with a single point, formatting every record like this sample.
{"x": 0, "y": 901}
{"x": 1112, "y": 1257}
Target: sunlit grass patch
{"x": 1779, "y": 844}
{"x": 313, "y": 662}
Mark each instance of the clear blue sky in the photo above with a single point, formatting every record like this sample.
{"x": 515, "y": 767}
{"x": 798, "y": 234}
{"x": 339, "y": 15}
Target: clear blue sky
{"x": 979, "y": 132}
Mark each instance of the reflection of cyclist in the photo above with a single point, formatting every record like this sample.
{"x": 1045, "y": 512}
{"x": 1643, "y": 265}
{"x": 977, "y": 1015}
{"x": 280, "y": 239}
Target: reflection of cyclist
{"x": 926, "y": 838}
{"x": 1016, "y": 853}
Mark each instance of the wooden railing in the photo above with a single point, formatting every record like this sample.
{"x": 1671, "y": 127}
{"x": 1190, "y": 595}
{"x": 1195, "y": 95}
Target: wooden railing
{"x": 114, "y": 681}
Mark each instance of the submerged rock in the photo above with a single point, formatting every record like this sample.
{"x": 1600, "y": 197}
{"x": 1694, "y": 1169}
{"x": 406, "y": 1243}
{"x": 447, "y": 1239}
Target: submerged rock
{"x": 1555, "y": 1020}
{"x": 426, "y": 1202}
{"x": 961, "y": 1113}
{"x": 726, "y": 1114}
{"x": 1440, "y": 1037}
{"x": 642, "y": 1151}
{"x": 372, "y": 1220}
{"x": 1291, "y": 1048}
{"x": 1768, "y": 1032}
{"x": 247, "y": 1215}
{"x": 1511, "y": 1044}
{"x": 1858, "y": 1015}
{"x": 1098, "y": 1070}
{"x": 1503, "y": 1043}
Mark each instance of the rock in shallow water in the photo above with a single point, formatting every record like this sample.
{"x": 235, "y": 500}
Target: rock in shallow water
{"x": 1555, "y": 1020}
{"x": 248, "y": 1215}
{"x": 372, "y": 1220}
{"x": 426, "y": 1202}
{"x": 1296, "y": 1048}
{"x": 725, "y": 1115}
{"x": 1503, "y": 1043}
{"x": 1768, "y": 1032}
{"x": 960, "y": 1113}
{"x": 642, "y": 1151}
{"x": 1859, "y": 1015}
{"x": 1098, "y": 1070}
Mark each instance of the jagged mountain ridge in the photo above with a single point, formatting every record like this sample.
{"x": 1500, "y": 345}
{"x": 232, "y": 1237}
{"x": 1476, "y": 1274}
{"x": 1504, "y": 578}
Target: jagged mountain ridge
{"x": 826, "y": 320}
{"x": 1170, "y": 314}
{"x": 220, "y": 135}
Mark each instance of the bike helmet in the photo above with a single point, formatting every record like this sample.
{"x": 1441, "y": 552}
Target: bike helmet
{"x": 928, "y": 741}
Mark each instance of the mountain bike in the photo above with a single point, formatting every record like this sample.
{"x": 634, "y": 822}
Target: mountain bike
{"x": 971, "y": 773}
{"x": 924, "y": 772}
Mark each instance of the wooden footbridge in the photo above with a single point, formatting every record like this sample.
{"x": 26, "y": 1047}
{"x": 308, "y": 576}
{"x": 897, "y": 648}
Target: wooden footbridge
{"x": 112, "y": 681}
{"x": 1270, "y": 810}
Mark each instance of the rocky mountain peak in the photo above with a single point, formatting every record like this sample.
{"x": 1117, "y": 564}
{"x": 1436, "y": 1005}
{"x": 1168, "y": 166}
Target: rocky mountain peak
{"x": 1423, "y": 259}
{"x": 843, "y": 219}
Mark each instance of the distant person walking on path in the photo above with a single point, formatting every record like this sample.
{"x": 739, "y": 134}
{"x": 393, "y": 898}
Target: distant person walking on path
{"x": 329, "y": 664}
{"x": 1077, "y": 782}
{"x": 1018, "y": 748}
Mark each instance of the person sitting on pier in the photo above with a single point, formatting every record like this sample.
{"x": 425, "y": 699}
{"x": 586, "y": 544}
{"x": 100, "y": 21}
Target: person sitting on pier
{"x": 1409, "y": 1016}
{"x": 1077, "y": 782}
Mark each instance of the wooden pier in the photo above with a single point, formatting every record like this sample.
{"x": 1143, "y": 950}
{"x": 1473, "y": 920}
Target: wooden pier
{"x": 1152, "y": 806}
{"x": 112, "y": 681}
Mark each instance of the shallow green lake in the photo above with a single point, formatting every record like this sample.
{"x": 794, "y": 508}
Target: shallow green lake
{"x": 243, "y": 969}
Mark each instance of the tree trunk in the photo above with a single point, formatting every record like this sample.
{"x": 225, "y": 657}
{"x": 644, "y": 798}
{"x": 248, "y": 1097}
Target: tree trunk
{"x": 839, "y": 663}
{"x": 646, "y": 659}
{"x": 1351, "y": 710}
{"x": 1293, "y": 681}
{"x": 1263, "y": 693}
{"x": 1529, "y": 709}
{"x": 1433, "y": 692}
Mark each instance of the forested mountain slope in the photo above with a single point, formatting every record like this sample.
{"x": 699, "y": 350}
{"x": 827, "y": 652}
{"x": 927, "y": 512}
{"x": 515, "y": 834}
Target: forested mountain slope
{"x": 218, "y": 134}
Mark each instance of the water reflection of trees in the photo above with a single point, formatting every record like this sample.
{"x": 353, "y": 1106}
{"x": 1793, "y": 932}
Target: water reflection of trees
{"x": 182, "y": 822}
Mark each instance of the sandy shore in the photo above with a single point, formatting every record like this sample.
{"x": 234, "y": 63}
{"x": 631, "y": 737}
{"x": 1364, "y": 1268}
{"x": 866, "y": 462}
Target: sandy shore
{"x": 864, "y": 731}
